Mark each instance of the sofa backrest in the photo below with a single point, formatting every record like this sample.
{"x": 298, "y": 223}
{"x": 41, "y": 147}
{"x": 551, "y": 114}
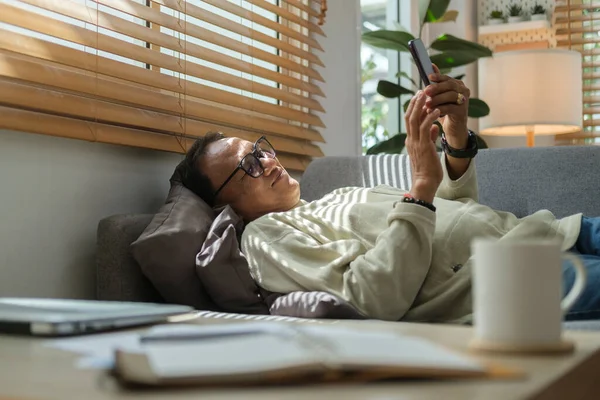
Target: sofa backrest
{"x": 118, "y": 275}
{"x": 564, "y": 180}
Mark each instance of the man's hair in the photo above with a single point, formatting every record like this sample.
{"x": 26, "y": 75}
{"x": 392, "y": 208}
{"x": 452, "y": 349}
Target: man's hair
{"x": 192, "y": 175}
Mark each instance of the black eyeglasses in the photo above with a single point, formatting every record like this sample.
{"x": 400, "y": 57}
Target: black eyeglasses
{"x": 251, "y": 164}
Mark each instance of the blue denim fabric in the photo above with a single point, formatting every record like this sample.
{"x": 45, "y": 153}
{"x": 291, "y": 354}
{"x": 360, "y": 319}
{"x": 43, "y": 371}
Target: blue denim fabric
{"x": 587, "y": 248}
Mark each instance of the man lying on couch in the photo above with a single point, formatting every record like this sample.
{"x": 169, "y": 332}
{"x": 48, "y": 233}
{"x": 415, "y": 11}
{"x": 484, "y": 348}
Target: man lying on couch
{"x": 391, "y": 254}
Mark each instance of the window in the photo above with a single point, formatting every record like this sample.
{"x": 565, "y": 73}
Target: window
{"x": 382, "y": 117}
{"x": 578, "y": 28}
{"x": 158, "y": 74}
{"x": 374, "y": 67}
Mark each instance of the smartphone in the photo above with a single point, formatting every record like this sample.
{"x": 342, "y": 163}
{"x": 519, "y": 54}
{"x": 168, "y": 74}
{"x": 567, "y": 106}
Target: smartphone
{"x": 419, "y": 54}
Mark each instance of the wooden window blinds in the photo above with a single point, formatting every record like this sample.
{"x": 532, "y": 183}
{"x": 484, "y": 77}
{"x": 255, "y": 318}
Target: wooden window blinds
{"x": 159, "y": 73}
{"x": 577, "y": 24}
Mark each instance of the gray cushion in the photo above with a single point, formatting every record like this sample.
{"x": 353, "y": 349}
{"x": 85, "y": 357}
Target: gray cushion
{"x": 166, "y": 250}
{"x": 314, "y": 305}
{"x": 223, "y": 269}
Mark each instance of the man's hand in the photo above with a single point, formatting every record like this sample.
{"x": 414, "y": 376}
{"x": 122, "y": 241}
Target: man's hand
{"x": 427, "y": 170}
{"x": 451, "y": 97}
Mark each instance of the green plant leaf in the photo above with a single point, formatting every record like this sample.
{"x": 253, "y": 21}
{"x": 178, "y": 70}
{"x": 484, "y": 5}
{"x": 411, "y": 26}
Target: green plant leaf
{"x": 452, "y": 43}
{"x": 393, "y": 145}
{"x": 459, "y": 77}
{"x": 452, "y": 59}
{"x": 384, "y": 39}
{"x": 436, "y": 10}
{"x": 405, "y": 105}
{"x": 515, "y": 10}
{"x": 405, "y": 75}
{"x": 391, "y": 90}
{"x": 497, "y": 14}
{"x": 537, "y": 9}
{"x": 449, "y": 16}
{"x": 478, "y": 108}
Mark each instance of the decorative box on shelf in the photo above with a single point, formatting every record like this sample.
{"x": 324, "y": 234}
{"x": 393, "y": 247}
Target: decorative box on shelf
{"x": 513, "y": 27}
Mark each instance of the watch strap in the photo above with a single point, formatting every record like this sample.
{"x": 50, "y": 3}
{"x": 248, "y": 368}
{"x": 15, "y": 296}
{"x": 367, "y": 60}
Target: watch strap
{"x": 468, "y": 152}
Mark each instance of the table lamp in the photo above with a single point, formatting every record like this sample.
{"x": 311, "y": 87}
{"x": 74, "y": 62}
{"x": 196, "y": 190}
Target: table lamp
{"x": 531, "y": 92}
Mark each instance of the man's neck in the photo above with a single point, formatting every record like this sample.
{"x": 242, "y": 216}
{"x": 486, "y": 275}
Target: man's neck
{"x": 250, "y": 218}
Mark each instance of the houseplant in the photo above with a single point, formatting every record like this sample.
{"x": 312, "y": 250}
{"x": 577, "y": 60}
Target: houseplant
{"x": 373, "y": 111}
{"x": 515, "y": 13}
{"x": 450, "y": 52}
{"x": 496, "y": 18}
{"x": 538, "y": 13}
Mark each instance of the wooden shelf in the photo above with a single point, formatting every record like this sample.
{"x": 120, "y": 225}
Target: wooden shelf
{"x": 513, "y": 27}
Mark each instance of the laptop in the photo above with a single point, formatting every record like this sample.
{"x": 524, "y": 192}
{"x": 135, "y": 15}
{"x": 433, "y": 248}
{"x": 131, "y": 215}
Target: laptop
{"x": 60, "y": 317}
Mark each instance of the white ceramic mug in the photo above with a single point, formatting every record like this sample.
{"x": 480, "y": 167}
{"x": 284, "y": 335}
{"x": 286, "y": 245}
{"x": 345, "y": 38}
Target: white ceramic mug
{"x": 517, "y": 294}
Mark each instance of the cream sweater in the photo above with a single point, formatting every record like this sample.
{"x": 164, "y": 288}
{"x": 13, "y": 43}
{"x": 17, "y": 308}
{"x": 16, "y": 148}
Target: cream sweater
{"x": 391, "y": 260}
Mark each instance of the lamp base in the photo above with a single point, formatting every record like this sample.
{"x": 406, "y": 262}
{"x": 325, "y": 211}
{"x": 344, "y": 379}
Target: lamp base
{"x": 530, "y": 131}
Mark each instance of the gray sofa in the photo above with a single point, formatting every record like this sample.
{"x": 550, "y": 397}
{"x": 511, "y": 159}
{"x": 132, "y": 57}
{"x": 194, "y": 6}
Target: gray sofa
{"x": 565, "y": 180}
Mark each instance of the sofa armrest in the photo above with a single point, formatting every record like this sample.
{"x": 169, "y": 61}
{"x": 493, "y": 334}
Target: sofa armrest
{"x": 118, "y": 276}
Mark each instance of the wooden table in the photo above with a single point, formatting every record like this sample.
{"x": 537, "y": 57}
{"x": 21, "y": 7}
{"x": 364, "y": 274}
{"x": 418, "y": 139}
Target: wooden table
{"x": 31, "y": 370}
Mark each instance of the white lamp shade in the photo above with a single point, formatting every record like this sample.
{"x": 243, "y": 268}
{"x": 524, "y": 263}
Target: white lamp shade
{"x": 538, "y": 89}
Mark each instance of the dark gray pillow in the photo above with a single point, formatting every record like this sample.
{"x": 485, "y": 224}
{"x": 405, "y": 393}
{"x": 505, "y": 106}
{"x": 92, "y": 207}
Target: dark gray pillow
{"x": 186, "y": 229}
{"x": 223, "y": 269}
{"x": 166, "y": 250}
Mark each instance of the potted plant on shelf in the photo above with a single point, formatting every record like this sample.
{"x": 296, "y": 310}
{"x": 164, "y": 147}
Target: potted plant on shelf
{"x": 515, "y": 13}
{"x": 496, "y": 18}
{"x": 538, "y": 13}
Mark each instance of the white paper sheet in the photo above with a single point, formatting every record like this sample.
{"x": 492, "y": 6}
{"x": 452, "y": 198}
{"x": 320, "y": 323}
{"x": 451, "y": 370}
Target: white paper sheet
{"x": 97, "y": 350}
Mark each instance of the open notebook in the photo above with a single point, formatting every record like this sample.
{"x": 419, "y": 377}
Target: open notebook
{"x": 261, "y": 353}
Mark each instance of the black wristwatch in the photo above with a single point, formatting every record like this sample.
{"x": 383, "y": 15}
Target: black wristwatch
{"x": 468, "y": 152}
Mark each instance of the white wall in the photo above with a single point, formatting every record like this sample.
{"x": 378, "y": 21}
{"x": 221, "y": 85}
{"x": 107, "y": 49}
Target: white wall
{"x": 465, "y": 27}
{"x": 342, "y": 76}
{"x": 53, "y": 192}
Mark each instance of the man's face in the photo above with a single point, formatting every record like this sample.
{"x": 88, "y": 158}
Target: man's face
{"x": 250, "y": 197}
